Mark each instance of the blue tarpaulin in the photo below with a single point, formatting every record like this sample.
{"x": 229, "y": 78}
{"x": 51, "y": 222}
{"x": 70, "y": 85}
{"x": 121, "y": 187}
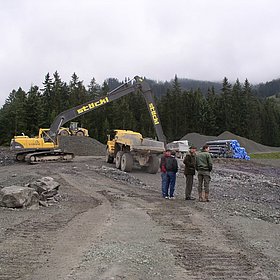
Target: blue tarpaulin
{"x": 227, "y": 148}
{"x": 238, "y": 152}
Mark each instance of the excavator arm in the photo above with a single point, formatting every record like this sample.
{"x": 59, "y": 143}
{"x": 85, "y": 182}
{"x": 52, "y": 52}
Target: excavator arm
{"x": 134, "y": 85}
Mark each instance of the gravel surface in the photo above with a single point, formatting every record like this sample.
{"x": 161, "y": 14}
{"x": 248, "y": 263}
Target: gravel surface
{"x": 110, "y": 224}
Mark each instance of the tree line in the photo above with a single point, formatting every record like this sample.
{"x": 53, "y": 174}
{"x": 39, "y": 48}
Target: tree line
{"x": 233, "y": 107}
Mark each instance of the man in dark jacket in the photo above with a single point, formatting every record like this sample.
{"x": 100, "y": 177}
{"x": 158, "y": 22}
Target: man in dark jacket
{"x": 171, "y": 166}
{"x": 204, "y": 166}
{"x": 163, "y": 159}
{"x": 189, "y": 161}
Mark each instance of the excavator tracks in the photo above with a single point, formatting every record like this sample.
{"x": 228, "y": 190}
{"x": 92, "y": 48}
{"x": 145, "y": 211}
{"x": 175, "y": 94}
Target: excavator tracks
{"x": 48, "y": 156}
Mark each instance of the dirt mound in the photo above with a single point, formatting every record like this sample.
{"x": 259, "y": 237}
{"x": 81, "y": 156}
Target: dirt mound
{"x": 6, "y": 156}
{"x": 198, "y": 139}
{"x": 249, "y": 145}
{"x": 82, "y": 146}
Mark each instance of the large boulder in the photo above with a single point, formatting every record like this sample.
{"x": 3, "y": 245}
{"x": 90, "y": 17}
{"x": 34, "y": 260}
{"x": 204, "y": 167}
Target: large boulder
{"x": 46, "y": 187}
{"x": 19, "y": 197}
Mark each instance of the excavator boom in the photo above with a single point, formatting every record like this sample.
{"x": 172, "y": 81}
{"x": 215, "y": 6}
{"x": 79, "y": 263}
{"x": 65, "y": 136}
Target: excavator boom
{"x": 134, "y": 85}
{"x": 45, "y": 145}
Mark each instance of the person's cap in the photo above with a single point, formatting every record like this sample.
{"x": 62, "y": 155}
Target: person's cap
{"x": 168, "y": 150}
{"x": 192, "y": 147}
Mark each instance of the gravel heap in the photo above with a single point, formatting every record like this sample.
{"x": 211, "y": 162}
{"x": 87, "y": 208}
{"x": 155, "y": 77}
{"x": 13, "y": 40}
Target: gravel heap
{"x": 6, "y": 156}
{"x": 82, "y": 146}
{"x": 249, "y": 145}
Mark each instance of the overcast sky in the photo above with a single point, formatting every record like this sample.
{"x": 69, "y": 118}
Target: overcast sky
{"x": 196, "y": 39}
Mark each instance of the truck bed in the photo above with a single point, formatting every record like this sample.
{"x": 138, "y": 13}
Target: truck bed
{"x": 150, "y": 145}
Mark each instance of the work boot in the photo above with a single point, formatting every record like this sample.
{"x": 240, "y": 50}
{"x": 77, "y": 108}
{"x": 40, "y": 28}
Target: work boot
{"x": 207, "y": 197}
{"x": 200, "y": 198}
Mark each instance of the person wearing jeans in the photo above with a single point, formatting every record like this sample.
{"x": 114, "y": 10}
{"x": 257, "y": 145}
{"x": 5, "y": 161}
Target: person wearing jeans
{"x": 166, "y": 155}
{"x": 171, "y": 166}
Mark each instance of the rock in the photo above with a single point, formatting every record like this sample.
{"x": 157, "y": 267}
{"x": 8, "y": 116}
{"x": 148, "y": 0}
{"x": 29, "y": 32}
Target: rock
{"x": 19, "y": 197}
{"x": 43, "y": 203}
{"x": 46, "y": 187}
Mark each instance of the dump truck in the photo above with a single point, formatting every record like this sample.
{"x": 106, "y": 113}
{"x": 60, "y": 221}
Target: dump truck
{"x": 129, "y": 148}
{"x": 45, "y": 146}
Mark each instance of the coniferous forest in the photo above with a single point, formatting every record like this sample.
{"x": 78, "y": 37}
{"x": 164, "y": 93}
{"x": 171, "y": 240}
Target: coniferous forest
{"x": 237, "y": 108}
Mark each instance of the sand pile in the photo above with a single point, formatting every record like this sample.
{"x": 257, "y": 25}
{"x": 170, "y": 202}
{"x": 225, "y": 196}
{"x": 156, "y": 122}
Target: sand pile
{"x": 249, "y": 145}
{"x": 82, "y": 146}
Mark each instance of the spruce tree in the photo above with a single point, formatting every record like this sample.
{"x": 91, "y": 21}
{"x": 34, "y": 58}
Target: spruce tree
{"x": 34, "y": 111}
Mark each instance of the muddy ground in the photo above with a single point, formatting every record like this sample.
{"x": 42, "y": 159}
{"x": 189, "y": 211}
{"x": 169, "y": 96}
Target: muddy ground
{"x": 112, "y": 225}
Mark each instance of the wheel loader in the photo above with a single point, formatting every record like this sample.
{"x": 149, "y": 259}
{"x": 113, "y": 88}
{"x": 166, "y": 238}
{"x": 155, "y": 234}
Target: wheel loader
{"x": 73, "y": 130}
{"x": 45, "y": 146}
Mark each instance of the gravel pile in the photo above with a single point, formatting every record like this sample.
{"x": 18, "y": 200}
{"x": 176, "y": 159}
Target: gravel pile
{"x": 6, "y": 156}
{"x": 82, "y": 146}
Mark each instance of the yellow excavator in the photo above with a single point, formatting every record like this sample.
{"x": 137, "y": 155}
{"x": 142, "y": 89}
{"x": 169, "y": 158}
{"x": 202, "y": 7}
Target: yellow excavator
{"x": 45, "y": 146}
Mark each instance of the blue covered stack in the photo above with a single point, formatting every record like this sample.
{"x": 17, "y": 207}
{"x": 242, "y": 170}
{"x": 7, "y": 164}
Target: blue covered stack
{"x": 228, "y": 149}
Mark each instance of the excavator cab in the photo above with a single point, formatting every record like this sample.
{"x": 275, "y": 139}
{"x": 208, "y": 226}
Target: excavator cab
{"x": 73, "y": 126}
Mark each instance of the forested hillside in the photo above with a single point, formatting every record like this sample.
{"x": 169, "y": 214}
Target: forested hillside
{"x": 268, "y": 89}
{"x": 183, "y": 109}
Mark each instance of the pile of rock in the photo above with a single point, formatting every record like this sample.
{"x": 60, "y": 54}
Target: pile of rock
{"x": 6, "y": 156}
{"x": 82, "y": 146}
{"x": 33, "y": 194}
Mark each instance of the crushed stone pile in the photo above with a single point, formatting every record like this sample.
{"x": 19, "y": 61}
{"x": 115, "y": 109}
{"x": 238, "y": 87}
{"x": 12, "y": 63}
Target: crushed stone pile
{"x": 6, "y": 156}
{"x": 251, "y": 147}
{"x": 82, "y": 146}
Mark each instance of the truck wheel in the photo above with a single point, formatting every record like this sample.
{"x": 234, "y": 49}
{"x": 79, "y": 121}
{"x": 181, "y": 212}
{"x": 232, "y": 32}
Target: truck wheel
{"x": 118, "y": 159}
{"x": 80, "y": 133}
{"x": 153, "y": 164}
{"x": 109, "y": 158}
{"x": 126, "y": 162}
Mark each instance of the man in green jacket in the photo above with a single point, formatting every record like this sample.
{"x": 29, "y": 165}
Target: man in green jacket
{"x": 204, "y": 165}
{"x": 189, "y": 171}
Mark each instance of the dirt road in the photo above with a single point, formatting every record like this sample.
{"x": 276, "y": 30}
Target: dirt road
{"x": 112, "y": 225}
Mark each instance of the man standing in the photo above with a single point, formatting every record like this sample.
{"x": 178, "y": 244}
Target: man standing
{"x": 166, "y": 155}
{"x": 171, "y": 170}
{"x": 204, "y": 166}
{"x": 189, "y": 161}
